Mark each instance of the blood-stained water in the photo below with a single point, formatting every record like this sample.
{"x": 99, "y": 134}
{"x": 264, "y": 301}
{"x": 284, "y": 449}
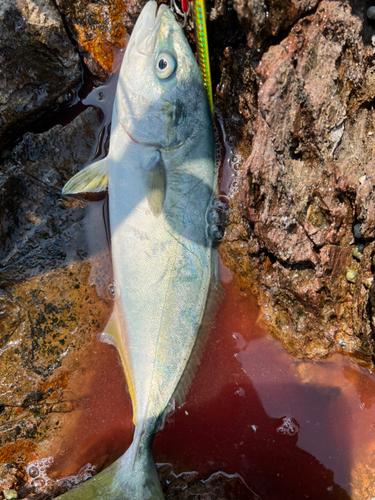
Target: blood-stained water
{"x": 291, "y": 429}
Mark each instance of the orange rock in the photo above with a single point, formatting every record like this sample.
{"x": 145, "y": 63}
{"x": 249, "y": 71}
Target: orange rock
{"x": 100, "y": 30}
{"x": 22, "y": 450}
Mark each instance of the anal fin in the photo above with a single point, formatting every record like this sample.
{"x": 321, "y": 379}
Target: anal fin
{"x": 112, "y": 335}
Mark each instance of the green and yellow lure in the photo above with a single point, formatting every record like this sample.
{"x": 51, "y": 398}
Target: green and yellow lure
{"x": 200, "y": 28}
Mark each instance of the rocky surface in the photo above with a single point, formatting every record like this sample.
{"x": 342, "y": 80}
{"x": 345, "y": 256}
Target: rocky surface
{"x": 38, "y": 63}
{"x": 52, "y": 299}
{"x": 191, "y": 487}
{"x": 100, "y": 30}
{"x": 302, "y": 227}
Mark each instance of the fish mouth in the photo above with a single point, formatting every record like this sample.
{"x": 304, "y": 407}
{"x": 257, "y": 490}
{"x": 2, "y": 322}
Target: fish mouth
{"x": 143, "y": 37}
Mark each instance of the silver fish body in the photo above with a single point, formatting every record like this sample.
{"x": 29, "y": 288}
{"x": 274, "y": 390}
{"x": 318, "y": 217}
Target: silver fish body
{"x": 160, "y": 172}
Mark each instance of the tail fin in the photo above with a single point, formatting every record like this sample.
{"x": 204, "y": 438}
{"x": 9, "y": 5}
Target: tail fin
{"x": 131, "y": 477}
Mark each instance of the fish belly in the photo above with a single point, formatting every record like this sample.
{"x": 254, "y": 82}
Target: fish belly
{"x": 161, "y": 266}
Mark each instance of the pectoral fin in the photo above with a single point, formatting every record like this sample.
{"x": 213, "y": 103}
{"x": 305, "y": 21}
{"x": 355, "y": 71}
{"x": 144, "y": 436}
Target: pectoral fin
{"x": 156, "y": 187}
{"x": 91, "y": 179}
{"x": 155, "y": 180}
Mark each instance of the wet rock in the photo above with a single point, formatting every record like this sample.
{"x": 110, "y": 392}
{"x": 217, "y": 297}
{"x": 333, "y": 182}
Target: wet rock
{"x": 52, "y": 300}
{"x": 38, "y": 63}
{"x": 37, "y": 222}
{"x": 363, "y": 479}
{"x": 100, "y": 30}
{"x": 303, "y": 121}
{"x": 264, "y": 20}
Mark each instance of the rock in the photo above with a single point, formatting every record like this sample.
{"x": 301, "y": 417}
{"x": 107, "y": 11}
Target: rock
{"x": 100, "y": 29}
{"x": 306, "y": 190}
{"x": 37, "y": 222}
{"x": 38, "y": 63}
{"x": 363, "y": 477}
{"x": 264, "y": 20}
{"x": 52, "y": 299}
{"x": 189, "y": 486}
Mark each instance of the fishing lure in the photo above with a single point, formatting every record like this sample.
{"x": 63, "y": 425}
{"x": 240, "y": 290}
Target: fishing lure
{"x": 200, "y": 30}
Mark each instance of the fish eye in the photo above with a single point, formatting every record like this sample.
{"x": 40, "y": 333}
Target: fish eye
{"x": 165, "y": 65}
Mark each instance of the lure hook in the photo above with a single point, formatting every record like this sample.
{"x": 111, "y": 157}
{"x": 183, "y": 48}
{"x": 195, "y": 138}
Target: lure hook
{"x": 184, "y": 11}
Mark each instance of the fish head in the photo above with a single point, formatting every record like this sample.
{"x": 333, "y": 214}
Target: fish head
{"x": 160, "y": 98}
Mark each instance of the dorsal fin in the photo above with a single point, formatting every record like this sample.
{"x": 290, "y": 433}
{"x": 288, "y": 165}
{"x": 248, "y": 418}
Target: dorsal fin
{"x": 214, "y": 298}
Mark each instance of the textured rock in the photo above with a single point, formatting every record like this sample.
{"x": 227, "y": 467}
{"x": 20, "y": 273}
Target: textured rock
{"x": 306, "y": 191}
{"x": 52, "y": 300}
{"x": 190, "y": 487}
{"x": 38, "y": 63}
{"x": 37, "y": 222}
{"x": 100, "y": 30}
{"x": 264, "y": 20}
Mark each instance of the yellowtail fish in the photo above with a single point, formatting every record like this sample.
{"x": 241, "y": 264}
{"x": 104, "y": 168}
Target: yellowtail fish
{"x": 160, "y": 173}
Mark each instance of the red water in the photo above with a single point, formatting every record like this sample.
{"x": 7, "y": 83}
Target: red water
{"x": 235, "y": 417}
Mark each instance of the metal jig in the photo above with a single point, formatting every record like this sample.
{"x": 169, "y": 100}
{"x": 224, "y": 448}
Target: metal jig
{"x": 200, "y": 30}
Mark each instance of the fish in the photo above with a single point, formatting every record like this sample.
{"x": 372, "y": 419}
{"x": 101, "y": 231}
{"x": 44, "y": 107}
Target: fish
{"x": 160, "y": 175}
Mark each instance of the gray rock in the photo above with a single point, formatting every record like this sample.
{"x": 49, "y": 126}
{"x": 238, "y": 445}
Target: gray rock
{"x": 36, "y": 225}
{"x": 37, "y": 60}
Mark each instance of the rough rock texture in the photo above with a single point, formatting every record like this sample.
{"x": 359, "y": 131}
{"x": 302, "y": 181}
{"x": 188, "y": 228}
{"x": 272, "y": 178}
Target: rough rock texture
{"x": 191, "y": 487}
{"x": 38, "y": 63}
{"x": 51, "y": 304}
{"x": 37, "y": 223}
{"x": 302, "y": 227}
{"x": 100, "y": 30}
{"x": 262, "y": 21}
